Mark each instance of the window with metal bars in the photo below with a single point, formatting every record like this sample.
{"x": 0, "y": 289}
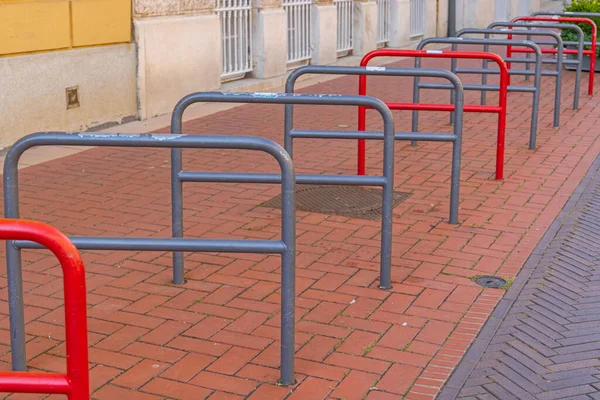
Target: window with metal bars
{"x": 345, "y": 25}
{"x": 236, "y": 37}
{"x": 418, "y": 18}
{"x": 298, "y": 29}
{"x": 383, "y": 22}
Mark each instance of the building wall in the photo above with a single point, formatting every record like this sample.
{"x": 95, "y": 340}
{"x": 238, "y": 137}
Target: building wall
{"x": 34, "y": 98}
{"x": 178, "y": 51}
{"x": 176, "y": 47}
{"x": 49, "y": 47}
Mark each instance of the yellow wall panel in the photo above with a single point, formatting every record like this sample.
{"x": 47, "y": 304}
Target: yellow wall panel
{"x": 101, "y": 22}
{"x": 33, "y": 26}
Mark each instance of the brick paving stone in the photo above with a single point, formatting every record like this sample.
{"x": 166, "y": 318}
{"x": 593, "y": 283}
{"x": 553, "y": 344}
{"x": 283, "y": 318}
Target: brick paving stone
{"x": 230, "y": 303}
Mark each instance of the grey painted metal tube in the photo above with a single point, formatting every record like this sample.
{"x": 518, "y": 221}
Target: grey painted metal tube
{"x": 168, "y": 244}
{"x": 491, "y": 71}
{"x": 483, "y": 87}
{"x": 431, "y": 137}
{"x": 497, "y": 71}
{"x": 560, "y": 61}
{"x": 568, "y": 14}
{"x": 307, "y": 179}
{"x": 558, "y": 73}
{"x": 286, "y": 247}
{"x": 474, "y": 86}
{"x": 316, "y": 134}
{"x": 456, "y": 137}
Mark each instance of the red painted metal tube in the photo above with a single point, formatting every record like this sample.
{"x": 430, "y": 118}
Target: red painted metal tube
{"x": 476, "y": 55}
{"x": 75, "y": 383}
{"x": 592, "y": 52}
{"x": 34, "y": 382}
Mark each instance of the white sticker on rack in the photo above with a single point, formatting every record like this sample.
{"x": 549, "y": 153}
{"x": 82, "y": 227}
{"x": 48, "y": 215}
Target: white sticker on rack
{"x": 375, "y": 68}
{"x": 434, "y": 51}
{"x": 266, "y": 95}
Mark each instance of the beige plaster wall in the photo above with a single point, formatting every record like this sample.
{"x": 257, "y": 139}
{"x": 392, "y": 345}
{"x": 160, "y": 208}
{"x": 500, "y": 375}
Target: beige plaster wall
{"x": 176, "y": 56}
{"x": 33, "y": 97}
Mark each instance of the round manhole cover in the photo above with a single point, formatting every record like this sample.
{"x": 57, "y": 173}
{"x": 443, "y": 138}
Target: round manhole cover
{"x": 490, "y": 281}
{"x": 347, "y": 201}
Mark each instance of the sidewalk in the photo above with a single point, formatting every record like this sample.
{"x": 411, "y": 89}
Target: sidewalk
{"x": 216, "y": 336}
{"x": 541, "y": 342}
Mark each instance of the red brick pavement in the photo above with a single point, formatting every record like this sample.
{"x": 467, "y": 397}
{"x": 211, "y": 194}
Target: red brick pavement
{"x": 217, "y": 336}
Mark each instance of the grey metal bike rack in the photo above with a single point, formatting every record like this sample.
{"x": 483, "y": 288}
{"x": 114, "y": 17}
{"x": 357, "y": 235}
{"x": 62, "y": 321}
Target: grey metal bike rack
{"x": 535, "y": 89}
{"x": 455, "y": 138}
{"x": 286, "y": 246}
{"x": 576, "y": 14}
{"x": 385, "y": 181}
{"x": 557, "y": 74}
{"x": 549, "y": 25}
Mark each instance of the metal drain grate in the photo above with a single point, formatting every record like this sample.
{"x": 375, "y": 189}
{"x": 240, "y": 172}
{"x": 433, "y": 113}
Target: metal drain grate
{"x": 491, "y": 282}
{"x": 345, "y": 201}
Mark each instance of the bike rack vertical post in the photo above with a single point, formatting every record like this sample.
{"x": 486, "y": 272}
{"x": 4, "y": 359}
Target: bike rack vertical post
{"x": 75, "y": 383}
{"x": 591, "y": 53}
{"x": 455, "y": 138}
{"x": 508, "y": 27}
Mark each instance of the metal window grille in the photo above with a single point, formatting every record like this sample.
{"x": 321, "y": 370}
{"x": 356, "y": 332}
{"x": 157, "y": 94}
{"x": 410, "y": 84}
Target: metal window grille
{"x": 236, "y": 37}
{"x": 298, "y": 29}
{"x": 383, "y": 21}
{"x": 345, "y": 23}
{"x": 417, "y": 18}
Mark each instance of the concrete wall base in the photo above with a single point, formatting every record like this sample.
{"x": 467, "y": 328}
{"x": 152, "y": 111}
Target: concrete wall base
{"x": 324, "y": 34}
{"x": 269, "y": 42}
{"x": 176, "y": 56}
{"x": 33, "y": 96}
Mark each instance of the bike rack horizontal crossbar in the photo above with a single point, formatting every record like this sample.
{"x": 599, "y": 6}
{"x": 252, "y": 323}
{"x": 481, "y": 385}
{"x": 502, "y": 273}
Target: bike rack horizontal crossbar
{"x": 306, "y": 179}
{"x": 431, "y": 136}
{"x": 489, "y": 88}
{"x": 160, "y": 244}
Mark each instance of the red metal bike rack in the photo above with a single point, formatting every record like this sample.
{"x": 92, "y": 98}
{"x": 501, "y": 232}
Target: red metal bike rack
{"x": 500, "y": 109}
{"x": 75, "y": 383}
{"x": 591, "y": 52}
